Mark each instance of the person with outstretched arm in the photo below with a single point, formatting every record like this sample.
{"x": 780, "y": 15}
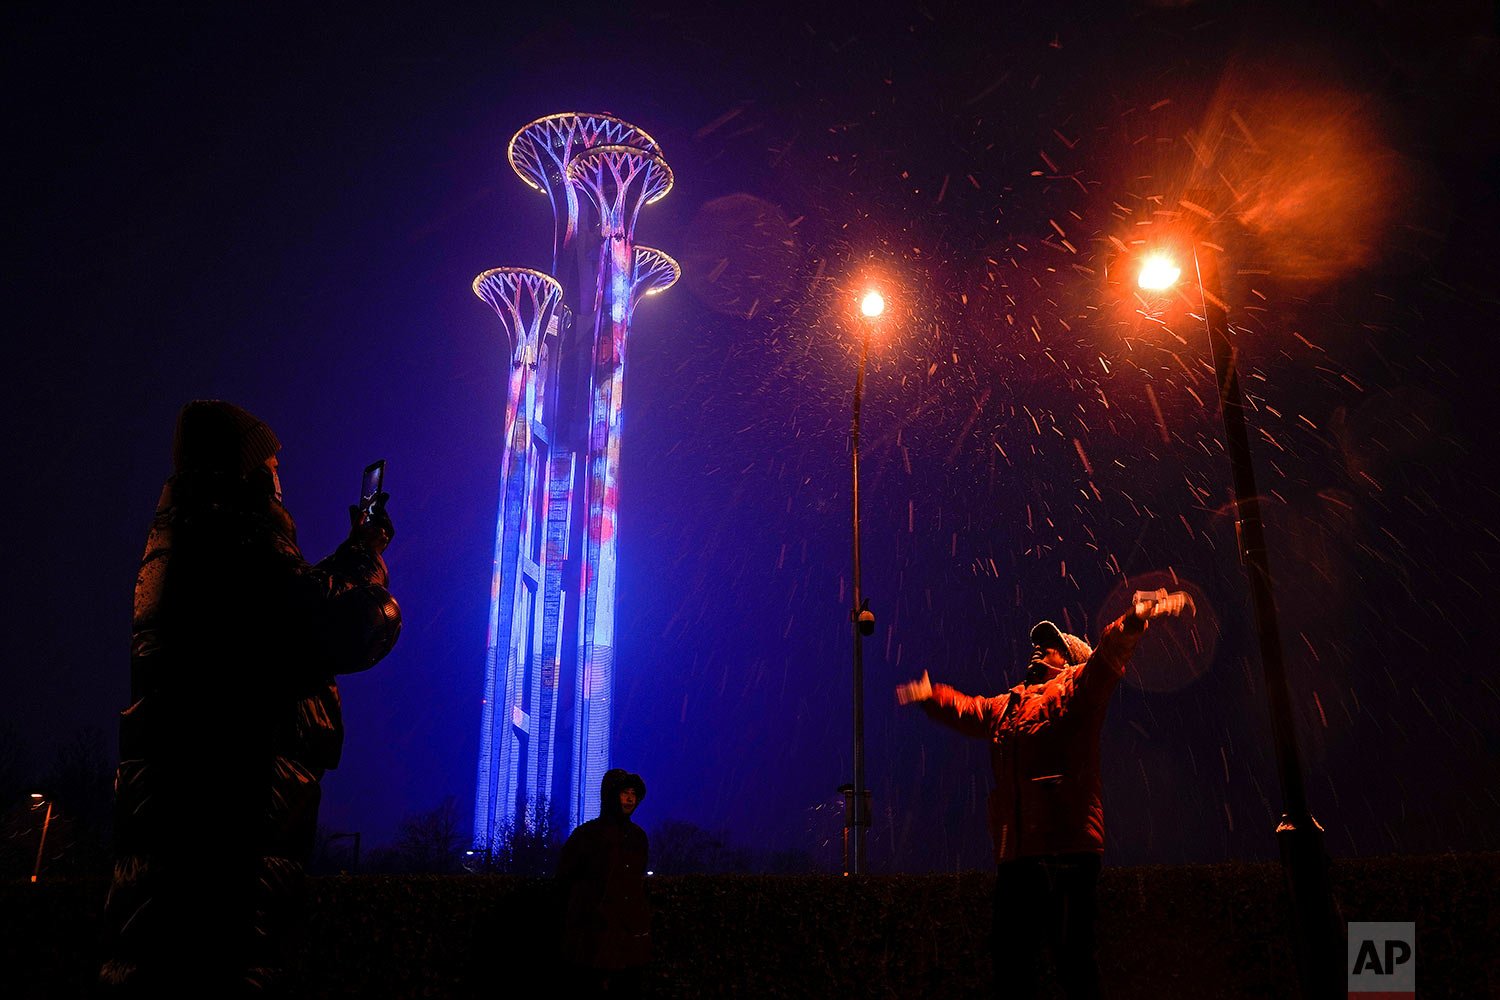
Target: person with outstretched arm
{"x": 1046, "y": 818}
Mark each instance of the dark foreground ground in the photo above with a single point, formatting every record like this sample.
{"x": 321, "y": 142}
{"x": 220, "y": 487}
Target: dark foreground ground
{"x": 1188, "y": 931}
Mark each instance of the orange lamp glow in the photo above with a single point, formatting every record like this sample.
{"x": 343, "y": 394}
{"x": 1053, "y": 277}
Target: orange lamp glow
{"x": 872, "y": 305}
{"x": 1159, "y": 273}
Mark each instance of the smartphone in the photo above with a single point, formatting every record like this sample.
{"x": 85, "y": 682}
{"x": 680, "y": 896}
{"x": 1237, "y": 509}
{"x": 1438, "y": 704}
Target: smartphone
{"x": 371, "y": 485}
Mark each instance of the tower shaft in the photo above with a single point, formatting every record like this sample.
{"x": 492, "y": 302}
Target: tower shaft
{"x": 549, "y": 668}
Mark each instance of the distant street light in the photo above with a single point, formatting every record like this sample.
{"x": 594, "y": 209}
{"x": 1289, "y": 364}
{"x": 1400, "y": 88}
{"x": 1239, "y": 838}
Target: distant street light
{"x": 857, "y": 819}
{"x": 354, "y": 868}
{"x": 1300, "y": 837}
{"x": 37, "y": 801}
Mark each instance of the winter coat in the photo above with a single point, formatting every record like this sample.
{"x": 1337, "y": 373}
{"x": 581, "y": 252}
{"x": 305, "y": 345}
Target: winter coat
{"x": 1044, "y": 749}
{"x": 603, "y": 868}
{"x": 234, "y": 718}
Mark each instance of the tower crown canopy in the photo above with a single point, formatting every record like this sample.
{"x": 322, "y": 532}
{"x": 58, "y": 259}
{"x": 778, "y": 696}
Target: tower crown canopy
{"x": 539, "y": 153}
{"x": 655, "y": 271}
{"x": 527, "y": 301}
{"x": 619, "y": 180}
{"x": 609, "y": 173}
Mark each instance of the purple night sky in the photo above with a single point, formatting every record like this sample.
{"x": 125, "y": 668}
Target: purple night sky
{"x": 287, "y": 210}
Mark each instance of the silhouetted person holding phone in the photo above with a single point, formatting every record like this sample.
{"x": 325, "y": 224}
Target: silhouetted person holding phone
{"x": 234, "y": 714}
{"x": 607, "y": 933}
{"x": 1046, "y": 818}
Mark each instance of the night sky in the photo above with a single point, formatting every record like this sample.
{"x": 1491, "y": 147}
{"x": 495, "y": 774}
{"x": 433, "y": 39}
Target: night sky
{"x": 286, "y": 209}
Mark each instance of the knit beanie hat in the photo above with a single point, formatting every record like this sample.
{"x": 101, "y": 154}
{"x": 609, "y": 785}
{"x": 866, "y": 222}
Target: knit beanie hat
{"x": 215, "y": 436}
{"x": 1045, "y": 636}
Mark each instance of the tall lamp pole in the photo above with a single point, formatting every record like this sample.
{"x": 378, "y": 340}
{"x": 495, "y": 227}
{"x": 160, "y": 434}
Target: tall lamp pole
{"x": 862, "y": 620}
{"x": 1298, "y": 835}
{"x": 355, "y": 837}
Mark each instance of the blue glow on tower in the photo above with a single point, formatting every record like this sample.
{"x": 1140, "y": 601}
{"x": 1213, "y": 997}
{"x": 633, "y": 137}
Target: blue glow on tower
{"x": 549, "y": 664}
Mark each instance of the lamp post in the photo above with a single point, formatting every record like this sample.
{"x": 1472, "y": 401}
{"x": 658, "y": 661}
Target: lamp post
{"x": 1299, "y": 836}
{"x": 862, "y": 619}
{"x": 354, "y": 868}
{"x": 37, "y": 801}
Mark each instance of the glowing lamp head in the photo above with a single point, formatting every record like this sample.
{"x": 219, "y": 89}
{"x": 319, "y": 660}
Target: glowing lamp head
{"x": 872, "y": 304}
{"x": 1158, "y": 273}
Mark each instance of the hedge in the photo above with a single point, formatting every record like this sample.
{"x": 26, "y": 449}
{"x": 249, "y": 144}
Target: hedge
{"x": 1165, "y": 931}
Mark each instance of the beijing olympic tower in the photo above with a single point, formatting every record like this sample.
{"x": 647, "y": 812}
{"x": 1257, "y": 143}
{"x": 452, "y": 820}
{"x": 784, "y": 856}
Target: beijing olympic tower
{"x": 549, "y": 661}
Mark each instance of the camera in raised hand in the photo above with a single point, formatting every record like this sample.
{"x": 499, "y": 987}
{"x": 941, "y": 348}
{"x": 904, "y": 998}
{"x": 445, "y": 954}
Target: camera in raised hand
{"x": 368, "y": 520}
{"x": 1148, "y": 604}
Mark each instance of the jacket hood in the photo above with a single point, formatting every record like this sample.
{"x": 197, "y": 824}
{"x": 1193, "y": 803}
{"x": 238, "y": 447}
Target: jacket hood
{"x": 616, "y": 781}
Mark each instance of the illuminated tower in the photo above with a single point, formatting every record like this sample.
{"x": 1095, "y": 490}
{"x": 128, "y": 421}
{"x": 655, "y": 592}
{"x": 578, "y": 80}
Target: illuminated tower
{"x": 529, "y": 304}
{"x": 618, "y": 180}
{"x": 549, "y": 671}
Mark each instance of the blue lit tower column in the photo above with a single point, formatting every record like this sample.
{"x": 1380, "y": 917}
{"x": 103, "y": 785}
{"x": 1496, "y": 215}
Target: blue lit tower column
{"x": 618, "y": 180}
{"x": 539, "y": 154}
{"x": 528, "y": 303}
{"x": 532, "y": 701}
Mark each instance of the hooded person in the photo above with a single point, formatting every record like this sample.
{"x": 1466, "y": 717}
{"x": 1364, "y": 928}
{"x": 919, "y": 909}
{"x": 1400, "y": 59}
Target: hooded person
{"x": 234, "y": 713}
{"x": 607, "y": 929}
{"x": 1045, "y": 812}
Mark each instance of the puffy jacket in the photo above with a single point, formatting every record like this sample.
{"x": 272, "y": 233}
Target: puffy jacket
{"x": 603, "y": 867}
{"x": 234, "y": 717}
{"x": 1044, "y": 749}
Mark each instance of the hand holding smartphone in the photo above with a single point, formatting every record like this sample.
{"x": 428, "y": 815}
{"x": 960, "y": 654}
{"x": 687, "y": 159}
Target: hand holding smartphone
{"x": 370, "y": 488}
{"x": 368, "y": 520}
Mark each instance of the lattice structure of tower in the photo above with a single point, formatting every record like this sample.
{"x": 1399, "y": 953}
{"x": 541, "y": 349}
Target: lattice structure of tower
{"x": 529, "y": 304}
{"x": 549, "y": 666}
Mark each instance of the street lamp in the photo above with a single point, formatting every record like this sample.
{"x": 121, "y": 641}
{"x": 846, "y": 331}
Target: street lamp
{"x": 862, "y": 619}
{"x": 354, "y": 836}
{"x": 1298, "y": 834}
{"x": 37, "y": 801}
{"x": 1159, "y": 272}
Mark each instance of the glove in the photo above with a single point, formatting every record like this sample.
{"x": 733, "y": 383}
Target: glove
{"x": 917, "y": 690}
{"x": 1148, "y": 604}
{"x": 372, "y": 527}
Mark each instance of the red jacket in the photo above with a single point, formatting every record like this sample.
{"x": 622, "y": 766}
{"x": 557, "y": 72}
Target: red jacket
{"x": 1044, "y": 749}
